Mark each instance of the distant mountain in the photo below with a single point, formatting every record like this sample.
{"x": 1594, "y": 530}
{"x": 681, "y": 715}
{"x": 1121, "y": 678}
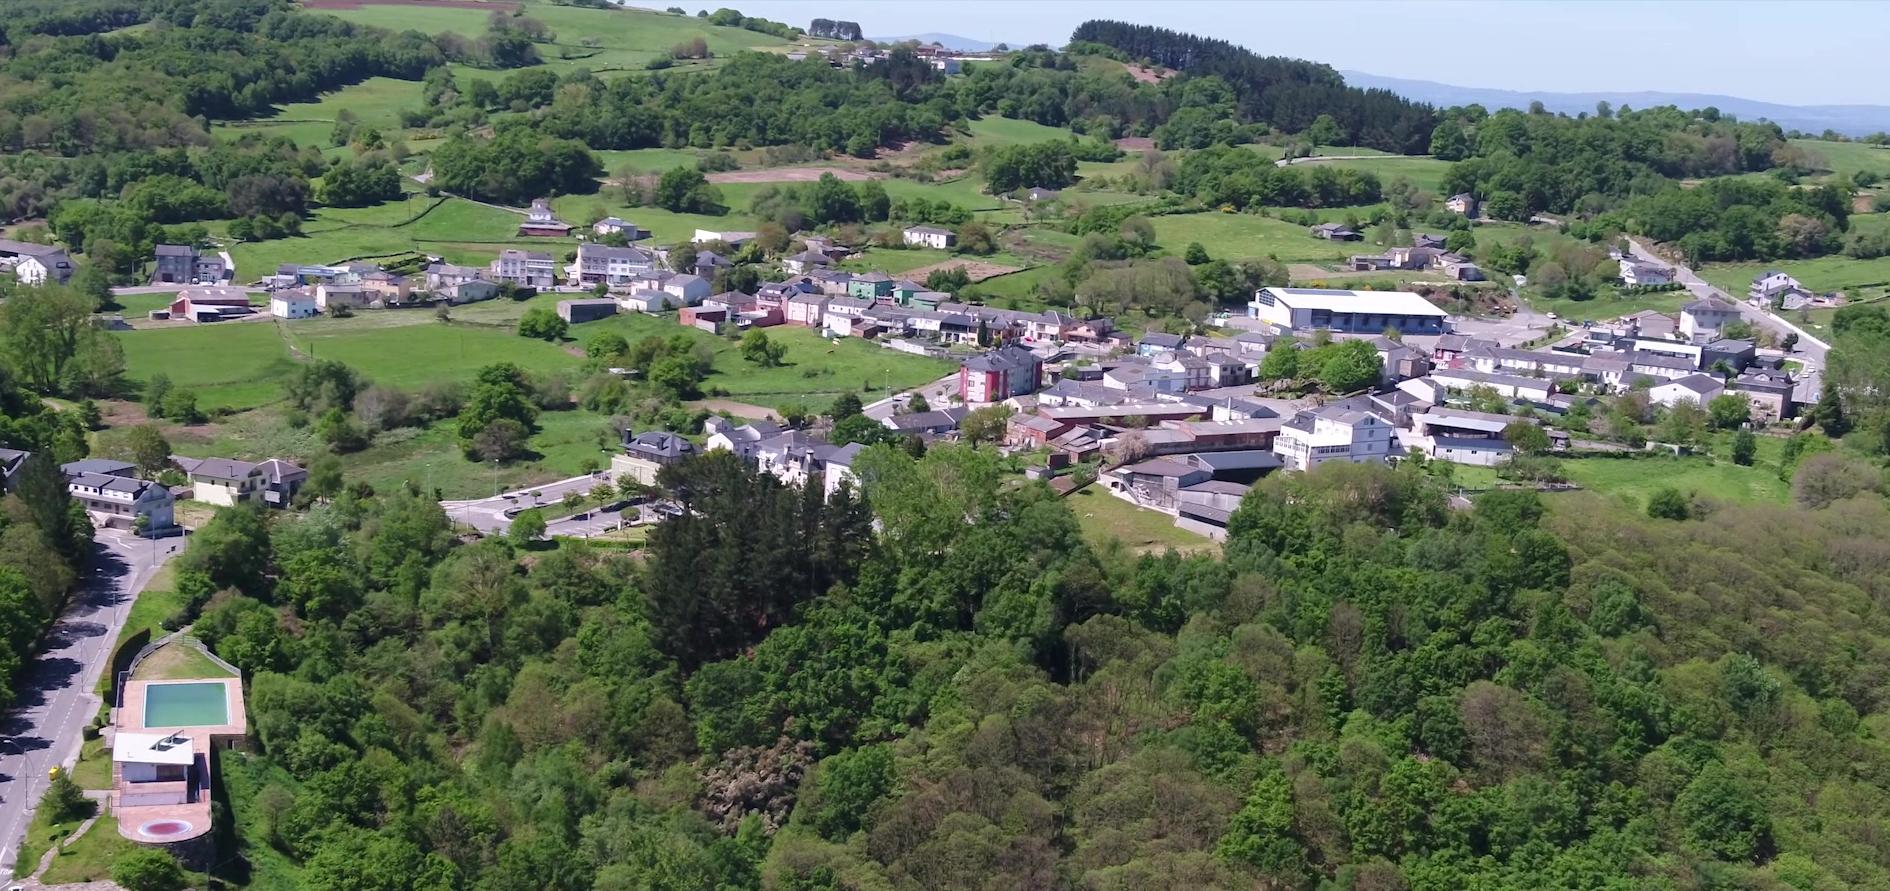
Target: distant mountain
{"x": 1852, "y": 120}
{"x": 948, "y": 41}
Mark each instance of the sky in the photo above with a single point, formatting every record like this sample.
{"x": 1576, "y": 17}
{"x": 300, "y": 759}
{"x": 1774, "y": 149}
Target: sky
{"x": 1800, "y": 53}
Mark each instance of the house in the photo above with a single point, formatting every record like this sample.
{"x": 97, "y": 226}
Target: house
{"x": 931, "y": 237}
{"x": 733, "y": 239}
{"x": 839, "y": 460}
{"x": 577, "y": 312}
{"x": 1427, "y": 240}
{"x": 294, "y": 303}
{"x": 1769, "y": 287}
{"x": 647, "y": 301}
{"x": 1335, "y": 232}
{"x": 1033, "y": 431}
{"x": 646, "y": 454}
{"x": 1704, "y": 317}
{"x": 809, "y": 310}
{"x": 540, "y": 222}
{"x": 806, "y": 261}
{"x": 1736, "y": 354}
{"x": 211, "y": 303}
{"x": 1225, "y": 370}
{"x": 1462, "y": 203}
{"x": 998, "y": 375}
{"x": 1459, "y": 269}
{"x": 1191, "y": 371}
{"x": 1527, "y": 363}
{"x": 222, "y": 481}
{"x": 1156, "y": 483}
{"x": 837, "y": 318}
{"x": 870, "y": 286}
{"x": 1635, "y": 273}
{"x": 725, "y": 434}
{"x": 1770, "y": 391}
{"x": 1464, "y": 437}
{"x": 1332, "y": 433}
{"x": 1041, "y": 194}
{"x": 526, "y": 269}
{"x": 447, "y": 280}
{"x": 1157, "y": 342}
{"x": 12, "y": 461}
{"x": 383, "y": 287}
{"x": 330, "y": 295}
{"x": 1698, "y": 389}
{"x": 183, "y": 264}
{"x": 162, "y": 774}
{"x": 832, "y": 282}
{"x": 1459, "y": 380}
{"x": 114, "y": 498}
{"x": 615, "y": 226}
{"x": 708, "y": 263}
{"x": 281, "y": 481}
{"x": 687, "y": 288}
{"x": 1357, "y": 312}
{"x": 614, "y": 266}
{"x": 1656, "y": 367}
{"x": 38, "y": 269}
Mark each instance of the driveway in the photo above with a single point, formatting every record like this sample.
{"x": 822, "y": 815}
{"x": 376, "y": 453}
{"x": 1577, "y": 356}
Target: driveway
{"x": 938, "y": 394}
{"x": 488, "y": 514}
{"x": 56, "y": 698}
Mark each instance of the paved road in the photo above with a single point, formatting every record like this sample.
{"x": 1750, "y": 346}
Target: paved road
{"x": 488, "y": 514}
{"x": 56, "y": 698}
{"x": 1808, "y": 350}
{"x": 938, "y": 394}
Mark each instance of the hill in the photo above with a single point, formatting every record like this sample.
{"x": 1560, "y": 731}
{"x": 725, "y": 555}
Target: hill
{"x": 948, "y": 41}
{"x": 1850, "y": 120}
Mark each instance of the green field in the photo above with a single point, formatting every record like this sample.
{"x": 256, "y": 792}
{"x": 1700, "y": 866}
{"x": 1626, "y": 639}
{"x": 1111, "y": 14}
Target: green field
{"x": 649, "y": 160}
{"x": 1609, "y": 305}
{"x": 667, "y": 227}
{"x": 1104, "y": 517}
{"x": 1425, "y": 173}
{"x": 1859, "y": 278}
{"x": 624, "y": 38}
{"x": 1639, "y": 477}
{"x": 376, "y": 102}
{"x": 992, "y": 130}
{"x": 229, "y": 364}
{"x": 1237, "y": 235}
{"x": 1846, "y": 158}
{"x": 460, "y": 230}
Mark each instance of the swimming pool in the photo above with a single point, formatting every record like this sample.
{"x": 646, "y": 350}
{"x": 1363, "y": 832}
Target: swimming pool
{"x": 185, "y": 705}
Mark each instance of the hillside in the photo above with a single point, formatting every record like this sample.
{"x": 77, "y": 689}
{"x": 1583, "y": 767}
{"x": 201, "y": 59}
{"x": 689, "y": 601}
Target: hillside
{"x": 1849, "y": 120}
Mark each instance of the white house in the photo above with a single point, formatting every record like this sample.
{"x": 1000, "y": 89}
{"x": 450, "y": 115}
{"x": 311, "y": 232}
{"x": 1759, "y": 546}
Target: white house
{"x": 1698, "y": 389}
{"x": 687, "y": 288}
{"x": 526, "y": 269}
{"x": 1706, "y": 316}
{"x": 732, "y": 238}
{"x": 1332, "y": 433}
{"x": 1462, "y": 203}
{"x": 930, "y": 236}
{"x": 1464, "y": 437}
{"x": 38, "y": 269}
{"x": 647, "y": 301}
{"x": 611, "y": 265}
{"x": 615, "y": 226}
{"x": 1770, "y": 285}
{"x": 113, "y": 497}
{"x": 295, "y": 303}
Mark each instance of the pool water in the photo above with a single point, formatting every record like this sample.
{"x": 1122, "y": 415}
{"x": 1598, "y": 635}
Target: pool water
{"x": 185, "y": 705}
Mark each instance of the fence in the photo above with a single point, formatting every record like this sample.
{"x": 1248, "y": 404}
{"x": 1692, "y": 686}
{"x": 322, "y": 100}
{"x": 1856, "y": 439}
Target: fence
{"x": 180, "y": 636}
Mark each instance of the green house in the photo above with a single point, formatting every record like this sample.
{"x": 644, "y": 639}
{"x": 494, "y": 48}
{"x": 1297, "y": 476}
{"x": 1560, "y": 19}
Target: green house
{"x": 871, "y": 286}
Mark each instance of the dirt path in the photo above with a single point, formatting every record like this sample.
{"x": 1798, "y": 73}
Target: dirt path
{"x": 792, "y": 175}
{"x": 738, "y": 409}
{"x": 977, "y": 270}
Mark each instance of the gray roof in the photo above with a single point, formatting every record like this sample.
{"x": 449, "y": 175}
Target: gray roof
{"x": 223, "y": 469}
{"x": 1005, "y": 359}
{"x": 1657, "y": 360}
{"x": 176, "y": 250}
{"x": 97, "y": 465}
{"x": 111, "y": 483}
{"x": 1698, "y": 383}
{"x": 1160, "y": 339}
{"x": 659, "y": 444}
{"x": 1709, "y": 304}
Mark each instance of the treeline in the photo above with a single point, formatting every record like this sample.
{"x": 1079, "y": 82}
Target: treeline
{"x": 1289, "y": 94}
{"x": 1521, "y": 163}
{"x": 1242, "y": 178}
{"x": 515, "y": 167}
{"x": 1369, "y": 690}
{"x": 1738, "y": 219}
{"x": 835, "y": 30}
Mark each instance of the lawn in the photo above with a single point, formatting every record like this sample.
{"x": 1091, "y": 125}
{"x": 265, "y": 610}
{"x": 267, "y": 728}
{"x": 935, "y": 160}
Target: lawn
{"x": 177, "y": 661}
{"x": 454, "y": 227}
{"x": 90, "y": 858}
{"x": 94, "y": 769}
{"x": 408, "y": 348}
{"x": 1609, "y": 304}
{"x": 666, "y": 227}
{"x": 1103, "y": 517}
{"x": 649, "y": 160}
{"x": 229, "y": 365}
{"x": 376, "y": 102}
{"x": 1235, "y": 236}
{"x": 431, "y": 458}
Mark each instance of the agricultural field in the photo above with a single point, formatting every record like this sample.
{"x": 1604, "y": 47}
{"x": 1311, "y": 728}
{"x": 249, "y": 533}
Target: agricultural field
{"x": 461, "y": 230}
{"x": 668, "y": 227}
{"x": 1609, "y": 304}
{"x": 992, "y": 130}
{"x": 1425, "y": 173}
{"x": 230, "y": 365}
{"x": 376, "y": 102}
{"x": 1857, "y": 278}
{"x": 1846, "y": 158}
{"x": 1237, "y": 235}
{"x": 1637, "y": 478}
{"x": 596, "y": 39}
{"x": 1104, "y": 518}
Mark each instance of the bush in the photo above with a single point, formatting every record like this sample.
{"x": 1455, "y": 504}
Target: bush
{"x": 1669, "y": 504}
{"x": 147, "y": 869}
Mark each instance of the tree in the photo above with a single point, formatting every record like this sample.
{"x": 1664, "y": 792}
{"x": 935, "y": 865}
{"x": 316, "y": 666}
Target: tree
{"x": 686, "y": 190}
{"x": 148, "y": 449}
{"x": 181, "y": 406}
{"x": 324, "y": 477}
{"x": 148, "y": 869}
{"x": 1460, "y": 242}
{"x": 500, "y": 440}
{"x": 1349, "y": 366}
{"x": 918, "y": 404}
{"x": 42, "y": 330}
{"x": 1829, "y": 414}
{"x": 542, "y": 323}
{"x": 526, "y": 528}
{"x": 65, "y": 801}
{"x": 1526, "y": 437}
{"x": 757, "y": 348}
{"x": 608, "y": 345}
{"x": 499, "y": 393}
{"x": 1281, "y": 362}
{"x": 845, "y": 405}
{"x": 1722, "y": 815}
{"x": 1729, "y": 411}
{"x": 1667, "y": 503}
{"x": 1325, "y": 131}
{"x": 1196, "y": 254}
{"x": 975, "y": 238}
{"x": 339, "y": 432}
{"x": 1744, "y": 447}
{"x": 986, "y": 424}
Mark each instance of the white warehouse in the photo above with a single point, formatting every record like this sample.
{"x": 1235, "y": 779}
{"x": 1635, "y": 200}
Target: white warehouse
{"x": 1352, "y": 312}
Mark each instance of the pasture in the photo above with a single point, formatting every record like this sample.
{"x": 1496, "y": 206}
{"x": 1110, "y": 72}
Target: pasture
{"x": 1234, "y": 236}
{"x": 376, "y": 102}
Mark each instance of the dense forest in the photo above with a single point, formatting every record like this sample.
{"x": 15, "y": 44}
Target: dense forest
{"x": 1369, "y": 691}
{"x": 1288, "y": 94}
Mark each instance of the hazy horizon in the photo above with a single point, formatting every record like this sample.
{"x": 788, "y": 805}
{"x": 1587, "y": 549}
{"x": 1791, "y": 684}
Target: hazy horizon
{"x": 1596, "y": 47}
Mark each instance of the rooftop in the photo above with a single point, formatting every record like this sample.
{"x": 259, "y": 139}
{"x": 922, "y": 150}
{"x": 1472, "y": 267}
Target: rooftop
{"x": 1397, "y": 303}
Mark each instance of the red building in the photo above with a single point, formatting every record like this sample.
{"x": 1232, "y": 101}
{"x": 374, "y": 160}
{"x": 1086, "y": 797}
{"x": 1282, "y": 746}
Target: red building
{"x": 998, "y": 375}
